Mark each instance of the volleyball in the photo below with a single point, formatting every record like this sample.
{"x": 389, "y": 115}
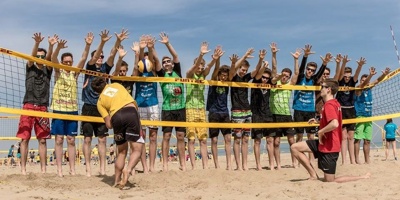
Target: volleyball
{"x": 145, "y": 66}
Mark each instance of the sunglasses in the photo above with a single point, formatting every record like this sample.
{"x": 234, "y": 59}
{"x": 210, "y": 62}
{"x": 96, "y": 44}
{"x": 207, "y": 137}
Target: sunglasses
{"x": 265, "y": 77}
{"x": 40, "y": 56}
{"x": 311, "y": 70}
{"x": 346, "y": 76}
{"x": 66, "y": 62}
{"x": 166, "y": 61}
{"x": 327, "y": 74}
{"x": 324, "y": 86}
{"x": 102, "y": 57}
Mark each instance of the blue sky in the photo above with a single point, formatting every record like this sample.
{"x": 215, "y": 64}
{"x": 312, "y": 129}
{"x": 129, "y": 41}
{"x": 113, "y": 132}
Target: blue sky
{"x": 357, "y": 28}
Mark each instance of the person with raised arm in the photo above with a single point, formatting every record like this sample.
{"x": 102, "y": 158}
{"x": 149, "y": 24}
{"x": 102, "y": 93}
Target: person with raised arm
{"x": 326, "y": 149}
{"x": 217, "y": 107}
{"x": 65, "y": 101}
{"x": 280, "y": 105}
{"x": 90, "y": 98}
{"x": 37, "y": 93}
{"x": 195, "y": 105}
{"x": 346, "y": 100}
{"x": 241, "y": 110}
{"x": 363, "y": 107}
{"x": 304, "y": 101}
{"x": 173, "y": 106}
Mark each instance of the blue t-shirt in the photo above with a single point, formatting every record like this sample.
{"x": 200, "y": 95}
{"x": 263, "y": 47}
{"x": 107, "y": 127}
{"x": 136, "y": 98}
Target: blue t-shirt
{"x": 217, "y": 101}
{"x": 363, "y": 103}
{"x": 390, "y": 129}
{"x": 304, "y": 100}
{"x": 146, "y": 92}
{"x": 89, "y": 96}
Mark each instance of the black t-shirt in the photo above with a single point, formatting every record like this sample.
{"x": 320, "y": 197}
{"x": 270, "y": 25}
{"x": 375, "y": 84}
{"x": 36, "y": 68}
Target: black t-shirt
{"x": 346, "y": 98}
{"x": 217, "y": 101}
{"x": 260, "y": 100}
{"x": 37, "y": 84}
{"x": 240, "y": 95}
{"x": 176, "y": 69}
{"x": 128, "y": 85}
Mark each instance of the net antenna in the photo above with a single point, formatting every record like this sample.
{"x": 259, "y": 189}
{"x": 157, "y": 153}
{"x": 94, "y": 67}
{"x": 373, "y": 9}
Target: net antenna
{"x": 395, "y": 46}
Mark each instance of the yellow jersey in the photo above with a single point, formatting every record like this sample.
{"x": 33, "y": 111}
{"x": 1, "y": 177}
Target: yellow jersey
{"x": 65, "y": 92}
{"x": 112, "y": 98}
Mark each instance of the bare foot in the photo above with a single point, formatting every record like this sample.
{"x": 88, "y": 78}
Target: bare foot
{"x": 125, "y": 176}
{"x": 165, "y": 168}
{"x": 229, "y": 168}
{"x": 238, "y": 169}
{"x": 367, "y": 175}
{"x": 60, "y": 174}
{"x": 183, "y": 168}
{"x": 278, "y": 167}
{"x": 312, "y": 178}
{"x": 23, "y": 172}
{"x": 72, "y": 173}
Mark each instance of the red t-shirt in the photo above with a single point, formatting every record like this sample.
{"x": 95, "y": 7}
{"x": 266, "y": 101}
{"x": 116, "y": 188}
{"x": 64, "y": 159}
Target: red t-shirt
{"x": 332, "y": 140}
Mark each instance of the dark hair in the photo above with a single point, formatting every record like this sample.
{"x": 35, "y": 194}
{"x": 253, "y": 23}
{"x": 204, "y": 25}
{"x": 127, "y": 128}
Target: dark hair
{"x": 66, "y": 55}
{"x": 347, "y": 70}
{"x": 146, "y": 53}
{"x": 165, "y": 57}
{"x": 93, "y": 52}
{"x": 268, "y": 71}
{"x": 389, "y": 121}
{"x": 98, "y": 84}
{"x": 123, "y": 63}
{"x": 329, "y": 70}
{"x": 42, "y": 50}
{"x": 287, "y": 70}
{"x": 204, "y": 61}
{"x": 224, "y": 69}
{"x": 246, "y": 63}
{"x": 333, "y": 84}
{"x": 312, "y": 64}
{"x": 364, "y": 75}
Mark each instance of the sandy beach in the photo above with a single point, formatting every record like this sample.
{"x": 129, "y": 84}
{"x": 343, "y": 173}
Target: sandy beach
{"x": 287, "y": 183}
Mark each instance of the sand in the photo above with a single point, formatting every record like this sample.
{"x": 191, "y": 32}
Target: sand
{"x": 287, "y": 183}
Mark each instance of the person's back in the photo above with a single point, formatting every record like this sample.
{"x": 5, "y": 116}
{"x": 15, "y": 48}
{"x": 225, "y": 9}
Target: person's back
{"x": 390, "y": 129}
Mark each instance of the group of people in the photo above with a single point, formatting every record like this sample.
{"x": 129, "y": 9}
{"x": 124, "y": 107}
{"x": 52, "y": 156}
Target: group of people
{"x": 122, "y": 110}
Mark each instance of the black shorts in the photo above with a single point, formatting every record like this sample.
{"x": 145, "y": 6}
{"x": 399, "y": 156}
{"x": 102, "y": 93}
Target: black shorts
{"x": 258, "y": 133}
{"x": 326, "y": 161}
{"x": 90, "y": 128}
{"x": 126, "y": 125}
{"x": 175, "y": 116}
{"x": 390, "y": 139}
{"x": 349, "y": 113}
{"x": 280, "y": 132}
{"x": 302, "y": 116}
{"x": 221, "y": 118}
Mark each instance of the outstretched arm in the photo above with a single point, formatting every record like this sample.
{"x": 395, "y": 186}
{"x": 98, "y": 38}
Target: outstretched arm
{"x": 244, "y": 57}
{"x": 234, "y": 58}
{"x": 121, "y": 53}
{"x": 338, "y": 58}
{"x": 38, "y": 39}
{"x": 88, "y": 41}
{"x": 360, "y": 63}
{"x": 296, "y": 56}
{"x": 165, "y": 40}
{"x": 155, "y": 60}
{"x": 345, "y": 60}
{"x": 274, "y": 50}
{"x": 216, "y": 55}
{"x": 325, "y": 60}
{"x": 203, "y": 50}
{"x": 260, "y": 72}
{"x": 372, "y": 72}
{"x": 261, "y": 57}
{"x": 54, "y": 56}
{"x": 104, "y": 38}
{"x": 216, "y": 68}
{"x": 307, "y": 51}
{"x": 120, "y": 37}
{"x": 136, "y": 50}
{"x": 52, "y": 40}
{"x": 381, "y": 77}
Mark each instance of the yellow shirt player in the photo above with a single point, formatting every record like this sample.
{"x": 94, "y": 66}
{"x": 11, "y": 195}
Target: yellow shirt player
{"x": 119, "y": 111}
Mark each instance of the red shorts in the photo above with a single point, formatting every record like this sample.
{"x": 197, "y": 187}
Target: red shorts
{"x": 40, "y": 124}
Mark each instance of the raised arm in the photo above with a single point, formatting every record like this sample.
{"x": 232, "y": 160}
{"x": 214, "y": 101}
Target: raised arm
{"x": 120, "y": 37}
{"x": 121, "y": 53}
{"x": 38, "y": 39}
{"x": 244, "y": 57}
{"x": 216, "y": 68}
{"x": 88, "y": 41}
{"x": 165, "y": 40}
{"x": 345, "y": 60}
{"x": 307, "y": 51}
{"x": 155, "y": 59}
{"x": 360, "y": 63}
{"x": 150, "y": 46}
{"x": 296, "y": 72}
{"x": 325, "y": 60}
{"x": 261, "y": 57}
{"x": 234, "y": 59}
{"x": 136, "y": 50}
{"x": 338, "y": 58}
{"x": 203, "y": 50}
{"x": 52, "y": 40}
{"x": 142, "y": 45}
{"x": 260, "y": 72}
{"x": 104, "y": 38}
{"x": 54, "y": 56}
{"x": 274, "y": 50}
{"x": 381, "y": 77}
{"x": 215, "y": 56}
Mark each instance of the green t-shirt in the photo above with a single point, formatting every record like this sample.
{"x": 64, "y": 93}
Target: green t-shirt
{"x": 279, "y": 100}
{"x": 173, "y": 98}
{"x": 195, "y": 94}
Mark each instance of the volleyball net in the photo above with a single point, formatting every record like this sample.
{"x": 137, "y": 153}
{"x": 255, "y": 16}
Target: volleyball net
{"x": 12, "y": 91}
